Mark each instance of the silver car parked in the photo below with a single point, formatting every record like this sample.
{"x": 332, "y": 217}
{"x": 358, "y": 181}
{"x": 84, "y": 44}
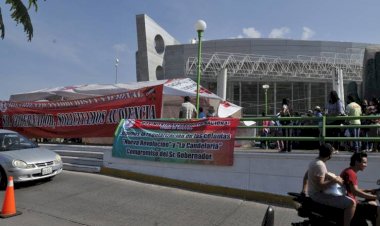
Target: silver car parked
{"x": 24, "y": 160}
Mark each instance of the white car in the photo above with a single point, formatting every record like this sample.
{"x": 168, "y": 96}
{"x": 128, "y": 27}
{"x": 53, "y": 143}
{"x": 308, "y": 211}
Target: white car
{"x": 24, "y": 160}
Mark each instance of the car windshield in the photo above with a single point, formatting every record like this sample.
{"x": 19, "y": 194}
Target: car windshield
{"x": 14, "y": 141}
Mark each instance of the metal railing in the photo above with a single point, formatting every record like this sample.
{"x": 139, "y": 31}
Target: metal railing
{"x": 321, "y": 123}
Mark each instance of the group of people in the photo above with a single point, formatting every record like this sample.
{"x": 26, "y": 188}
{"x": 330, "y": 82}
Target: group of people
{"x": 318, "y": 181}
{"x": 334, "y": 107}
{"x": 189, "y": 111}
{"x": 354, "y": 107}
{"x": 283, "y": 146}
{"x": 282, "y": 131}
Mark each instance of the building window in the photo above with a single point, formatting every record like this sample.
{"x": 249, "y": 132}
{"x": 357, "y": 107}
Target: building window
{"x": 159, "y": 44}
{"x": 160, "y": 73}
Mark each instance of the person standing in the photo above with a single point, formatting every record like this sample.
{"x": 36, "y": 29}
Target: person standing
{"x": 286, "y": 132}
{"x": 364, "y": 131}
{"x": 334, "y": 107}
{"x": 373, "y": 110}
{"x": 188, "y": 110}
{"x": 354, "y": 109}
{"x": 265, "y": 131}
{"x": 318, "y": 114}
{"x": 278, "y": 133}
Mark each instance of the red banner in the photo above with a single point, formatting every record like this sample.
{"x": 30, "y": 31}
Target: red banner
{"x": 90, "y": 117}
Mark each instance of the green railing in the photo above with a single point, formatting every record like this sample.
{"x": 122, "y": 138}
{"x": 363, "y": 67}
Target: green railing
{"x": 320, "y": 123}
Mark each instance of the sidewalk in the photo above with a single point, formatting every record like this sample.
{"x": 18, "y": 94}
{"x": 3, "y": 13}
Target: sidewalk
{"x": 294, "y": 151}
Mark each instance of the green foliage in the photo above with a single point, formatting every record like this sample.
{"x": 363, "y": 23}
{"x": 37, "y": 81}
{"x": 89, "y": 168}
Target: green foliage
{"x": 19, "y": 13}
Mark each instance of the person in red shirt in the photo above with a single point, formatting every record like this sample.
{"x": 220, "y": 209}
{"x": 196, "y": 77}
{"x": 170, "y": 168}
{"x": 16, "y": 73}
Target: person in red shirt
{"x": 369, "y": 207}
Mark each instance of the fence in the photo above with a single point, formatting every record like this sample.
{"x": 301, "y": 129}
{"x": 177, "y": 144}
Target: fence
{"x": 319, "y": 123}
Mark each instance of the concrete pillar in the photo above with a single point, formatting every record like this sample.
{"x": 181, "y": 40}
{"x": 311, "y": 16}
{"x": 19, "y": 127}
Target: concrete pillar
{"x": 309, "y": 97}
{"x": 338, "y": 83}
{"x": 292, "y": 97}
{"x": 258, "y": 113}
{"x": 274, "y": 98}
{"x": 240, "y": 93}
{"x": 327, "y": 94}
{"x": 221, "y": 88}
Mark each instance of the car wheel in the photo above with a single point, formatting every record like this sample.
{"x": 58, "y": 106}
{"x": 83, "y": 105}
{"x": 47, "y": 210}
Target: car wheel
{"x": 3, "y": 179}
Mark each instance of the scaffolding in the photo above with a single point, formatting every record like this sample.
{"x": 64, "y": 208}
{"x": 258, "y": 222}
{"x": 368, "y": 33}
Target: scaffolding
{"x": 306, "y": 80}
{"x": 272, "y": 68}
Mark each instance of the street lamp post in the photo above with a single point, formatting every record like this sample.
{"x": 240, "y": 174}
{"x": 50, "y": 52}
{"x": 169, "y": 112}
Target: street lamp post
{"x": 116, "y": 65}
{"x": 200, "y": 27}
{"x": 266, "y": 87}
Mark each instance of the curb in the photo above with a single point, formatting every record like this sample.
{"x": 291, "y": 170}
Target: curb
{"x": 263, "y": 197}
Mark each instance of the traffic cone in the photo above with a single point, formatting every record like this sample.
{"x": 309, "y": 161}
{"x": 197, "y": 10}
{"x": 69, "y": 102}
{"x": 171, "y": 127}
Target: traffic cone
{"x": 9, "y": 205}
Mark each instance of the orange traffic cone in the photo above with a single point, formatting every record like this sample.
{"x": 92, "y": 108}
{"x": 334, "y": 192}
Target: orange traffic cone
{"x": 9, "y": 205}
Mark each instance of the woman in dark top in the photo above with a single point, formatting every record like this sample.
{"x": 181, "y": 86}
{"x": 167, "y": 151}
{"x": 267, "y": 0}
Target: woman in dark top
{"x": 334, "y": 107}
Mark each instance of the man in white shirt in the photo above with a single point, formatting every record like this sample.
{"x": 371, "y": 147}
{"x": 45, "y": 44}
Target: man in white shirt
{"x": 188, "y": 110}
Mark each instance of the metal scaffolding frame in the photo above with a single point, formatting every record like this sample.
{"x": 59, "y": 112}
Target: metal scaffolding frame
{"x": 276, "y": 68}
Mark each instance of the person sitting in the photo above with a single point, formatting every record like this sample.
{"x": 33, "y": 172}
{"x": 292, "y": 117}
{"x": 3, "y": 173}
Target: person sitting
{"x": 201, "y": 113}
{"x": 211, "y": 112}
{"x": 368, "y": 208}
{"x": 318, "y": 180}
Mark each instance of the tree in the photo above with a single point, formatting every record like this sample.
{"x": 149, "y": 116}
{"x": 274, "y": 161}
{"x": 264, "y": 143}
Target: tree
{"x": 19, "y": 13}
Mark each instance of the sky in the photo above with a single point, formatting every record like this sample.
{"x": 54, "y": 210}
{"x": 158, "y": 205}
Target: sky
{"x": 77, "y": 42}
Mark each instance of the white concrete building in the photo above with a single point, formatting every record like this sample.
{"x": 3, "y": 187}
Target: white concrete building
{"x": 300, "y": 70}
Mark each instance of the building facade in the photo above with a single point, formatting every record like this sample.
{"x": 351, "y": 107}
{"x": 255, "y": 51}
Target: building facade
{"x": 300, "y": 70}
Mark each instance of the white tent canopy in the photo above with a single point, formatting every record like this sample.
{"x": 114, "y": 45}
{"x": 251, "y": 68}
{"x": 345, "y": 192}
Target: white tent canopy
{"x": 172, "y": 87}
{"x": 173, "y": 91}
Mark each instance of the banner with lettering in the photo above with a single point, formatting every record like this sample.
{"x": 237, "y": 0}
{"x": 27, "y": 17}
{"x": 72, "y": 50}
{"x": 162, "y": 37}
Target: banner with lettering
{"x": 90, "y": 117}
{"x": 203, "y": 141}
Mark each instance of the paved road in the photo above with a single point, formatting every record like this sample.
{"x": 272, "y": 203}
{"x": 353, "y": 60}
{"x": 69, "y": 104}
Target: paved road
{"x": 73, "y": 199}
